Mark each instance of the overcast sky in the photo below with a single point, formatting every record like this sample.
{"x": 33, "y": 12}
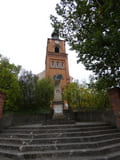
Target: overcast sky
{"x": 24, "y": 30}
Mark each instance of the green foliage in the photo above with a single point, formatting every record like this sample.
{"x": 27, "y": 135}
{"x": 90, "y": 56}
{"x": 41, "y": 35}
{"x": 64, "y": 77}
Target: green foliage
{"x": 27, "y": 82}
{"x": 9, "y": 84}
{"x": 87, "y": 97}
{"x": 37, "y": 93}
{"x": 44, "y": 94}
{"x": 72, "y": 95}
{"x": 92, "y": 28}
{"x": 24, "y": 92}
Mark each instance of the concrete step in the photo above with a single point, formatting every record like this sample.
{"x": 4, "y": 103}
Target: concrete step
{"x": 55, "y": 129}
{"x": 79, "y": 124}
{"x": 59, "y": 121}
{"x": 63, "y": 139}
{"x": 39, "y": 131}
{"x": 60, "y": 146}
{"x": 83, "y": 141}
{"x": 90, "y": 152}
{"x": 32, "y": 134}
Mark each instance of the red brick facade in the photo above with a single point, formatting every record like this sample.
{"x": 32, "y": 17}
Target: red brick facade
{"x": 114, "y": 94}
{"x": 57, "y": 60}
{"x": 2, "y": 101}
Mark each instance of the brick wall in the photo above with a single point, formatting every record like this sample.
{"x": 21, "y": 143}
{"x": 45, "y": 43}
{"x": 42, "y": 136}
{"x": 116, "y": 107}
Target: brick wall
{"x": 2, "y": 101}
{"x": 114, "y": 94}
{"x": 59, "y": 60}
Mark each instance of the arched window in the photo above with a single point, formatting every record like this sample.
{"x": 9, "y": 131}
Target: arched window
{"x": 56, "y": 49}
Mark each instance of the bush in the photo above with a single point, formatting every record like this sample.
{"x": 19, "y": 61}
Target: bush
{"x": 82, "y": 97}
{"x": 44, "y": 93}
{"x": 9, "y": 83}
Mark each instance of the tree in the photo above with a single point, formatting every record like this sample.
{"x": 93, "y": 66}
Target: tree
{"x": 86, "y": 97}
{"x": 44, "y": 94}
{"x": 37, "y": 93}
{"x": 99, "y": 90}
{"x": 72, "y": 95}
{"x": 9, "y": 83}
{"x": 27, "y": 82}
{"x": 92, "y": 28}
{"x": 25, "y": 93}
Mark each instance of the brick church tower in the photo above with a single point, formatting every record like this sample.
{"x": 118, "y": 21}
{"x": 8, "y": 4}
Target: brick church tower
{"x": 57, "y": 59}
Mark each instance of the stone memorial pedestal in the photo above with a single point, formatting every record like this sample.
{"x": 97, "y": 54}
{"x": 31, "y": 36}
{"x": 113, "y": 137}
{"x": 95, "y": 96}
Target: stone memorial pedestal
{"x": 58, "y": 109}
{"x": 57, "y": 102}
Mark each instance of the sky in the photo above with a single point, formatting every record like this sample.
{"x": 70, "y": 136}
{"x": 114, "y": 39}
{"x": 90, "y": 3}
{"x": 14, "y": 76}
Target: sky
{"x": 24, "y": 30}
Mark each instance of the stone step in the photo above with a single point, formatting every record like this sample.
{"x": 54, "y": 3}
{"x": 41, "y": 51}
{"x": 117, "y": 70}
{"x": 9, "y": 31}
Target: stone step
{"x": 78, "y": 124}
{"x": 59, "y": 139}
{"x": 91, "y": 152}
{"x": 57, "y": 158}
{"x": 59, "y": 121}
{"x": 51, "y": 130}
{"x": 83, "y": 141}
{"x": 113, "y": 156}
{"x": 37, "y": 131}
{"x": 60, "y": 146}
{"x": 34, "y": 135}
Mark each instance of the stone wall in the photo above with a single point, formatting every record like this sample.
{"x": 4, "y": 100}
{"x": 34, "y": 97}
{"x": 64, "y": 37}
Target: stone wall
{"x": 87, "y": 116}
{"x": 109, "y": 117}
{"x": 92, "y": 116}
{"x": 19, "y": 119}
{"x": 22, "y": 119}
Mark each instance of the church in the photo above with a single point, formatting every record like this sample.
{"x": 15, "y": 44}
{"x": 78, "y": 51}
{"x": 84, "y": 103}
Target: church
{"x": 56, "y": 60}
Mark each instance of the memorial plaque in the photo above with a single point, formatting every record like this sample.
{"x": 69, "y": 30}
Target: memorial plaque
{"x": 58, "y": 109}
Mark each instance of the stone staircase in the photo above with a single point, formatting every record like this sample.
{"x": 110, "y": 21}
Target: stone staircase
{"x": 76, "y": 141}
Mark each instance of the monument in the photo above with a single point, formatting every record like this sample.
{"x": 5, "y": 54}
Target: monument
{"x": 57, "y": 101}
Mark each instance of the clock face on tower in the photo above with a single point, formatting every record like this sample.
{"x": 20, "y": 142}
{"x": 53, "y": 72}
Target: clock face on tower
{"x": 56, "y": 41}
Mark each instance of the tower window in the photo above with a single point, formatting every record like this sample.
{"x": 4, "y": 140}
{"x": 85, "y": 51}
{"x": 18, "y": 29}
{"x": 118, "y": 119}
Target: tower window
{"x": 62, "y": 65}
{"x": 57, "y": 64}
{"x": 52, "y": 64}
{"x": 56, "y": 49}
